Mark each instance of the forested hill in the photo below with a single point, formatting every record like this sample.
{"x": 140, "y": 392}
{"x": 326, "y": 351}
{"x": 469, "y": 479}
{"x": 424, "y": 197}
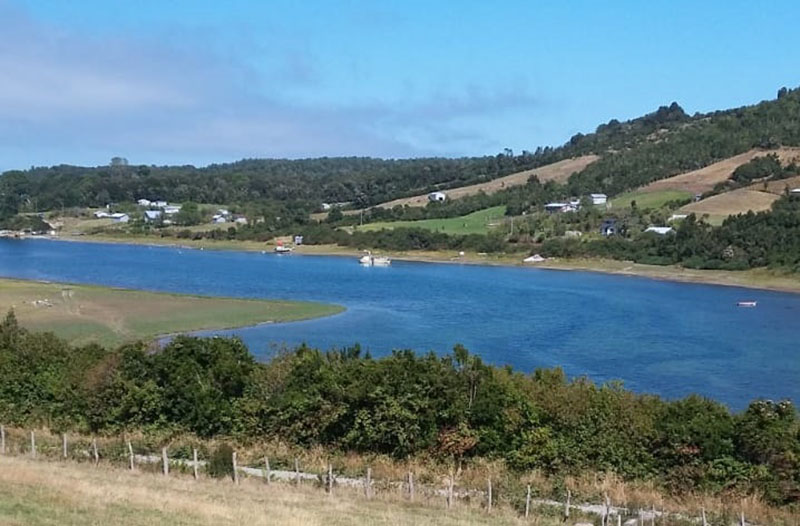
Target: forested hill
{"x": 633, "y": 153}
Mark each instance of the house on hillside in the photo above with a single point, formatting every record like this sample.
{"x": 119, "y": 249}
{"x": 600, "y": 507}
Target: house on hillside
{"x": 241, "y": 220}
{"x": 101, "y": 215}
{"x": 660, "y": 230}
{"x": 555, "y": 208}
{"x": 152, "y": 216}
{"x": 218, "y": 219}
{"x": 598, "y": 199}
{"x": 172, "y": 209}
{"x": 437, "y": 197}
{"x": 326, "y": 207}
{"x": 609, "y": 227}
{"x": 119, "y": 217}
{"x": 158, "y": 204}
{"x": 677, "y": 217}
{"x": 143, "y": 202}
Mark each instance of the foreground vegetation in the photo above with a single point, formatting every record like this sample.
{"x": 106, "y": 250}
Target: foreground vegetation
{"x": 82, "y": 314}
{"x": 67, "y": 494}
{"x": 451, "y": 409}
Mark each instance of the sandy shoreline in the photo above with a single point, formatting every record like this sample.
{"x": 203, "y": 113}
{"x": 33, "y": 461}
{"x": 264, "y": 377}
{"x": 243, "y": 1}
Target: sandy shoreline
{"x": 761, "y": 279}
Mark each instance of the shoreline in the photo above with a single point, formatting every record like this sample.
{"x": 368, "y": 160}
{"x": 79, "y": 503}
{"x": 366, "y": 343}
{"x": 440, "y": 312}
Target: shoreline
{"x": 756, "y": 279}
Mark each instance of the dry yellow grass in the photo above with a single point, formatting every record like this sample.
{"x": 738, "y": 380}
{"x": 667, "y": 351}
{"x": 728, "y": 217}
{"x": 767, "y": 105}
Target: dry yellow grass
{"x": 66, "y": 493}
{"x": 704, "y": 179}
{"x": 737, "y": 201}
{"x": 558, "y": 172}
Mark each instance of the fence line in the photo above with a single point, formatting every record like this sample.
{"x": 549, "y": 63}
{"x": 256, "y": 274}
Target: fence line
{"x": 605, "y": 510}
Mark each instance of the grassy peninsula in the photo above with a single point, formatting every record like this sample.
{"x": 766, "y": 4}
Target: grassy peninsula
{"x": 110, "y": 316}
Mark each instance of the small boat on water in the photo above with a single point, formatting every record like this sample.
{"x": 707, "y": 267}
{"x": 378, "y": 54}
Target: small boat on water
{"x": 368, "y": 260}
{"x": 281, "y": 249}
{"x": 746, "y": 303}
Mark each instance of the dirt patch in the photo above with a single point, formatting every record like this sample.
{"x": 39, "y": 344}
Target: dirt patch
{"x": 735, "y": 202}
{"x": 704, "y": 179}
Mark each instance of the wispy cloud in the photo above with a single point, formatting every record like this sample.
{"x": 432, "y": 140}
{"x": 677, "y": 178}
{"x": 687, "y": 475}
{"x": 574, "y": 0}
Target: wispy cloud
{"x": 155, "y": 102}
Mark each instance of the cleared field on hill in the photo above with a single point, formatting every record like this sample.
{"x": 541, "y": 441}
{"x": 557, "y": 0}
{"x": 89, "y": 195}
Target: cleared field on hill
{"x": 558, "y": 172}
{"x": 66, "y": 494}
{"x": 704, "y": 179}
{"x": 734, "y": 202}
{"x": 646, "y": 200}
{"x": 83, "y": 314}
{"x": 479, "y": 222}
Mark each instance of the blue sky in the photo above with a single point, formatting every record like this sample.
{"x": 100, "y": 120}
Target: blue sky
{"x": 195, "y": 81}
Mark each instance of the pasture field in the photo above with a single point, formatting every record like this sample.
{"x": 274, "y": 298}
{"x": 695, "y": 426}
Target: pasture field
{"x": 83, "y": 314}
{"x": 67, "y": 493}
{"x": 737, "y": 201}
{"x": 645, "y": 199}
{"x": 479, "y": 222}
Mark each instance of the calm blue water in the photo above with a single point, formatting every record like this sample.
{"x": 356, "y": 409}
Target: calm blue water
{"x": 656, "y": 336}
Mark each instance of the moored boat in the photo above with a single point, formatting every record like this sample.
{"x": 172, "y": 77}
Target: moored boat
{"x": 746, "y": 303}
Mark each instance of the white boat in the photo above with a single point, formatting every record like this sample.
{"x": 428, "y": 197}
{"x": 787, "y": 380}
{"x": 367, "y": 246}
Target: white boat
{"x": 368, "y": 260}
{"x": 536, "y": 258}
{"x": 280, "y": 249}
{"x": 746, "y": 303}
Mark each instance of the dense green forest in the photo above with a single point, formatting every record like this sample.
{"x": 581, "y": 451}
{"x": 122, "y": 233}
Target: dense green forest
{"x": 450, "y": 407}
{"x": 633, "y": 153}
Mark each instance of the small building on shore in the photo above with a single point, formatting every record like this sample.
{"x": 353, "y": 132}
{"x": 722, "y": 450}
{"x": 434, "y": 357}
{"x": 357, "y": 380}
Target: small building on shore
{"x": 599, "y": 199}
{"x": 152, "y": 216}
{"x": 119, "y": 217}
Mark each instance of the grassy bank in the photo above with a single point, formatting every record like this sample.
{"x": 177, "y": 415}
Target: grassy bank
{"x": 82, "y": 314}
{"x": 67, "y": 493}
{"x": 479, "y": 222}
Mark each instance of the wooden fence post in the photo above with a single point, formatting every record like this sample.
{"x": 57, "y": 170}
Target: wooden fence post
{"x": 33, "y": 445}
{"x": 164, "y": 461}
{"x": 195, "y": 467}
{"x": 95, "y": 455}
{"x": 489, "y": 500}
{"x": 235, "y": 468}
{"x": 2, "y": 440}
{"x": 130, "y": 456}
{"x": 411, "y": 485}
{"x": 528, "y": 502}
{"x": 267, "y": 472}
{"x": 566, "y": 505}
{"x": 64, "y": 445}
{"x": 450, "y": 490}
{"x": 330, "y": 479}
{"x": 296, "y": 471}
{"x": 368, "y": 483}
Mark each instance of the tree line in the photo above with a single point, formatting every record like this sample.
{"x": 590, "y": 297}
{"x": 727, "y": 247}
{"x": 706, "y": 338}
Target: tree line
{"x": 446, "y": 407}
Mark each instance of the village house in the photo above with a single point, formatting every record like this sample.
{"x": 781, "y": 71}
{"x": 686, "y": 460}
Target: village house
{"x": 119, "y": 217}
{"x": 437, "y": 197}
{"x": 240, "y": 220}
{"x": 143, "y": 202}
{"x": 609, "y": 227}
{"x": 218, "y": 219}
{"x": 555, "y": 208}
{"x": 598, "y": 199}
{"x": 151, "y": 216}
{"x": 660, "y": 230}
{"x": 172, "y": 209}
{"x": 158, "y": 204}
{"x": 101, "y": 215}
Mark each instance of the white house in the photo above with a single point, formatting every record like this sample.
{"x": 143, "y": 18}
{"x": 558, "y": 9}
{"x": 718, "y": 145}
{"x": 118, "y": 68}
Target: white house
{"x": 554, "y": 208}
{"x": 677, "y": 217}
{"x": 223, "y": 212}
{"x": 151, "y": 216}
{"x": 217, "y": 219}
{"x": 437, "y": 197}
{"x": 101, "y": 215}
{"x": 143, "y": 202}
{"x": 172, "y": 209}
{"x": 119, "y": 217}
{"x": 598, "y": 199}
{"x": 159, "y": 204}
{"x": 660, "y": 230}
{"x": 240, "y": 220}
{"x": 326, "y": 207}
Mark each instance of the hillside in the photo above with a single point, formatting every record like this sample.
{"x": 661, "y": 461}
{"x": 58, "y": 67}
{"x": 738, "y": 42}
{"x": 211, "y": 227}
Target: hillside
{"x": 739, "y": 201}
{"x": 559, "y": 172}
{"x": 704, "y": 179}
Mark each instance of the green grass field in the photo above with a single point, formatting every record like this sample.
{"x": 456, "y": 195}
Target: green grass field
{"x": 479, "y": 222}
{"x": 649, "y": 199}
{"x": 83, "y": 314}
